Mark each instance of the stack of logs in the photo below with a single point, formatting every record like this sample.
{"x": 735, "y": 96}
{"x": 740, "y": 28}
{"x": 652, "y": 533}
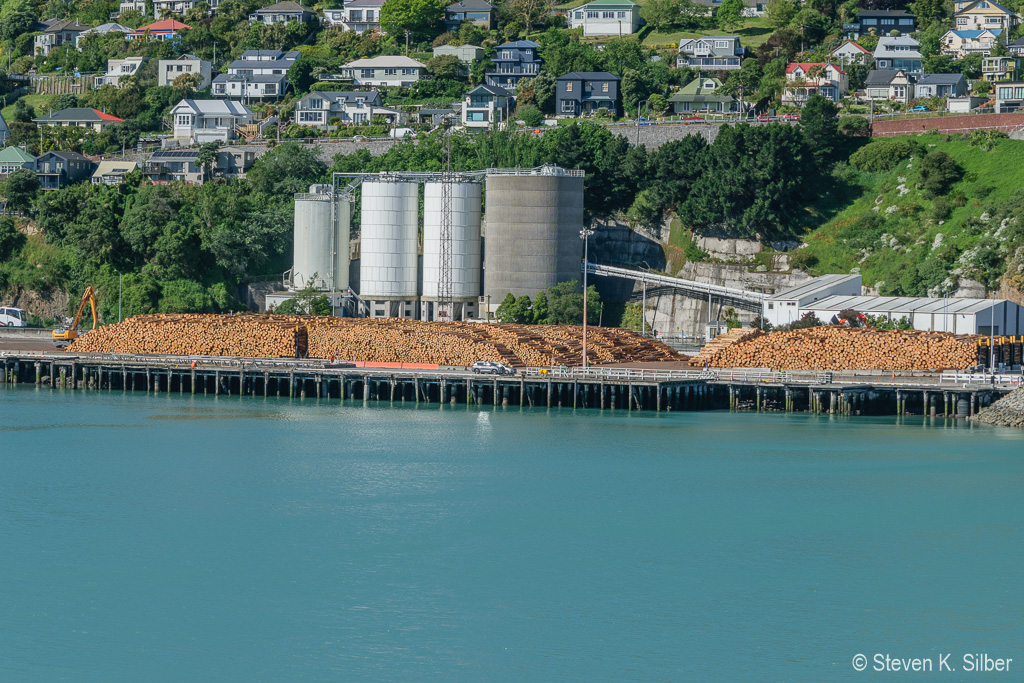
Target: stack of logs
{"x": 844, "y": 348}
{"x": 370, "y": 340}
{"x": 723, "y": 342}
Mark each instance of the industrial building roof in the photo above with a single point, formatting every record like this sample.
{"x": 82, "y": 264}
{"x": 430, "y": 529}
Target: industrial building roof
{"x": 812, "y": 286}
{"x": 903, "y": 304}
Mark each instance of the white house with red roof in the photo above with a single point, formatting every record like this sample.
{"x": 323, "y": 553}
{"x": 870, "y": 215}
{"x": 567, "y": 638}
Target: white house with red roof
{"x": 850, "y": 52}
{"x": 165, "y": 29}
{"x": 804, "y": 79}
{"x": 79, "y": 117}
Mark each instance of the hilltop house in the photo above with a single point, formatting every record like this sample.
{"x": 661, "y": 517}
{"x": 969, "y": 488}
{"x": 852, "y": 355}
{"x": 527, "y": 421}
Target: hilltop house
{"x": 170, "y": 69}
{"x": 940, "y": 85}
{"x": 714, "y": 53}
{"x": 999, "y": 69}
{"x": 55, "y": 169}
{"x": 704, "y": 94}
{"x": 901, "y": 52}
{"x": 982, "y": 14}
{"x": 13, "y": 159}
{"x": 56, "y": 32}
{"x": 118, "y": 69}
{"x": 282, "y": 13}
{"x": 804, "y": 79}
{"x": 359, "y": 16}
{"x": 959, "y": 44}
{"x": 467, "y": 54}
{"x": 880, "y": 23}
{"x": 479, "y": 12}
{"x": 200, "y": 121}
{"x": 513, "y": 62}
{"x": 79, "y": 117}
{"x": 318, "y": 109}
{"x": 389, "y": 71}
{"x": 894, "y": 85}
{"x": 165, "y": 29}
{"x": 851, "y": 52}
{"x": 258, "y": 74}
{"x": 485, "y": 106}
{"x": 585, "y": 92}
{"x": 606, "y": 18}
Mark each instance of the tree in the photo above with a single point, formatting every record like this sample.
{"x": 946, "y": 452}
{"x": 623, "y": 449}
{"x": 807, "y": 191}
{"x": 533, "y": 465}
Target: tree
{"x": 970, "y": 66}
{"x": 661, "y": 14}
{"x": 530, "y": 115}
{"x": 939, "y": 64}
{"x": 207, "y": 158}
{"x": 818, "y": 120}
{"x": 931, "y": 11}
{"x": 15, "y": 24}
{"x": 806, "y": 320}
{"x": 419, "y": 17}
{"x": 11, "y": 239}
{"x": 565, "y": 302}
{"x": 540, "y": 308}
{"x": 938, "y": 172}
{"x": 526, "y": 12}
{"x": 658, "y": 104}
{"x": 444, "y": 67}
{"x": 19, "y": 189}
{"x": 513, "y": 310}
{"x": 780, "y": 13}
{"x": 730, "y": 14}
{"x": 23, "y": 112}
{"x": 544, "y": 87}
{"x": 287, "y": 169}
{"x": 186, "y": 85}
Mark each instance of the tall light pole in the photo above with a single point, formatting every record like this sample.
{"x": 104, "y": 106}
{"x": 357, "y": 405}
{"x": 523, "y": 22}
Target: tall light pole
{"x": 585, "y": 234}
{"x": 991, "y": 333}
{"x": 638, "y": 120}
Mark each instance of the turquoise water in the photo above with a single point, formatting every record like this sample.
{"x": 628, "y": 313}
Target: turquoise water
{"x": 172, "y": 538}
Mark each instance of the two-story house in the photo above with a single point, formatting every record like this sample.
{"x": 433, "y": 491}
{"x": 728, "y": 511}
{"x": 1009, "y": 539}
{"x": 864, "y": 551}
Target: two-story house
{"x": 587, "y": 91}
{"x": 479, "y": 12}
{"x": 320, "y": 109}
{"x": 13, "y": 159}
{"x": 180, "y": 7}
{"x": 132, "y": 6}
{"x": 959, "y": 44}
{"x": 894, "y": 85}
{"x": 113, "y": 172}
{"x": 55, "y": 169}
{"x": 995, "y": 69}
{"x": 118, "y": 69}
{"x": 283, "y": 13}
{"x": 56, "y": 32}
{"x": 182, "y": 165}
{"x": 514, "y": 62}
{"x": 259, "y": 74}
{"x": 1009, "y": 96}
{"x": 1016, "y": 47}
{"x": 900, "y": 52}
{"x": 940, "y": 85}
{"x": 186, "y": 65}
{"x": 165, "y": 29}
{"x": 804, "y": 79}
{"x": 982, "y": 14}
{"x": 851, "y": 52}
{"x": 79, "y": 117}
{"x": 389, "y": 71}
{"x": 358, "y": 15}
{"x": 704, "y": 94}
{"x": 486, "y": 106}
{"x": 201, "y": 121}
{"x": 711, "y": 53}
{"x": 880, "y": 23}
{"x": 606, "y": 18}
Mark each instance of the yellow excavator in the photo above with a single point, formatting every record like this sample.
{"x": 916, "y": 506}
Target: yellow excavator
{"x": 64, "y": 337}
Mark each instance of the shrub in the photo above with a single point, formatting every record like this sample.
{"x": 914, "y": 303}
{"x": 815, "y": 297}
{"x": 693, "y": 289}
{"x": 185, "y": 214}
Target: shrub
{"x": 938, "y": 172}
{"x": 530, "y": 115}
{"x": 884, "y": 154}
{"x": 11, "y": 240}
{"x": 941, "y": 208}
{"x": 856, "y": 126}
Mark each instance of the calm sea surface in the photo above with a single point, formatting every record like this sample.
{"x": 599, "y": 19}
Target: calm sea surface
{"x": 209, "y": 539}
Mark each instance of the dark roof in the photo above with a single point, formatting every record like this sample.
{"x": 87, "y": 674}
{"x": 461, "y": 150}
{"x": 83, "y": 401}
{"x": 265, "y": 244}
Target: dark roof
{"x": 880, "y": 77}
{"x": 470, "y": 4}
{"x": 1017, "y": 43}
{"x": 588, "y": 76}
{"x": 519, "y": 44}
{"x": 493, "y": 89}
{"x": 286, "y": 6}
{"x": 57, "y": 25}
{"x": 67, "y": 156}
{"x": 432, "y": 112}
{"x": 75, "y": 114}
{"x": 174, "y": 155}
{"x": 940, "y": 79}
{"x": 255, "y": 78}
{"x": 883, "y": 13}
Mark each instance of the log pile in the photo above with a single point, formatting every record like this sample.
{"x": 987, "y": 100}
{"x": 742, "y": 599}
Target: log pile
{"x": 844, "y": 348}
{"x": 722, "y": 342}
{"x": 371, "y": 340}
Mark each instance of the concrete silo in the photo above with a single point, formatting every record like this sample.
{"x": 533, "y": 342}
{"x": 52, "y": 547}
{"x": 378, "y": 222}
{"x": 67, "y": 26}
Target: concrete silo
{"x": 531, "y": 234}
{"x": 388, "y": 269}
{"x": 465, "y": 249}
{"x": 321, "y": 230}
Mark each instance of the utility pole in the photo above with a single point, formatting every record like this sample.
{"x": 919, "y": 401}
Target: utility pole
{"x": 585, "y": 234}
{"x": 445, "y": 297}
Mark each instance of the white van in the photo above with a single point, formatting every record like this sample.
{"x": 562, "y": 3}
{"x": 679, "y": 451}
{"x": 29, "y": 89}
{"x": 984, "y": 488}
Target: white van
{"x": 13, "y": 317}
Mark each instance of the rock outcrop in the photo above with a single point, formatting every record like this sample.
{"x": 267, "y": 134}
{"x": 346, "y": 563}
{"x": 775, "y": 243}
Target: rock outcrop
{"x": 1006, "y": 412}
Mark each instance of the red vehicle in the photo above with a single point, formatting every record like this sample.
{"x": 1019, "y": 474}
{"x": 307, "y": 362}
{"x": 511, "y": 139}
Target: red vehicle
{"x": 765, "y": 118}
{"x": 790, "y": 117}
{"x": 693, "y": 119}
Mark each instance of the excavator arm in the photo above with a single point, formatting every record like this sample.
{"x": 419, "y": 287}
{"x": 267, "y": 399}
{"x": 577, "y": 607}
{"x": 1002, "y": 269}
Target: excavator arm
{"x": 87, "y": 298}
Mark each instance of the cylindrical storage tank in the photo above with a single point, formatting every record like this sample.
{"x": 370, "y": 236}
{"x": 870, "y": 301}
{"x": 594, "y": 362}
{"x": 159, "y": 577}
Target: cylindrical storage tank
{"x": 320, "y": 247}
{"x": 531, "y": 231}
{"x": 465, "y": 246}
{"x": 389, "y": 244}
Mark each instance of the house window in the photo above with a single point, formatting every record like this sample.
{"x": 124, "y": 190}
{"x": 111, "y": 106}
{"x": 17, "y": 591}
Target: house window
{"x": 183, "y": 120}
{"x": 408, "y": 72}
{"x": 369, "y": 15}
{"x": 356, "y": 15}
{"x": 888, "y": 22}
{"x": 591, "y": 14}
{"x": 476, "y": 116}
{"x": 961, "y": 21}
{"x": 607, "y": 15}
{"x": 604, "y": 87}
{"x": 867, "y": 22}
{"x": 315, "y": 103}
{"x": 722, "y": 43}
{"x": 366, "y": 73}
{"x": 568, "y": 106}
{"x": 568, "y": 87}
{"x": 622, "y": 15}
{"x": 392, "y": 72}
{"x": 507, "y": 54}
{"x": 309, "y": 117}
{"x": 579, "y": 15}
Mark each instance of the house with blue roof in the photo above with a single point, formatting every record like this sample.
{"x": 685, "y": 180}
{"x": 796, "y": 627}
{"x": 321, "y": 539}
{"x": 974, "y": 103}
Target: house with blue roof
{"x": 959, "y": 44}
{"x": 514, "y": 62}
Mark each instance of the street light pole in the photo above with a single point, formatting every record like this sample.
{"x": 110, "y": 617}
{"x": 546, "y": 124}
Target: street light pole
{"x": 585, "y": 234}
{"x": 638, "y": 121}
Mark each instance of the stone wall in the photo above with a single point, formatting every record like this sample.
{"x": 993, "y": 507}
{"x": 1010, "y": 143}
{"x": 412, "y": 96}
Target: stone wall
{"x": 948, "y": 124}
{"x": 1006, "y": 412}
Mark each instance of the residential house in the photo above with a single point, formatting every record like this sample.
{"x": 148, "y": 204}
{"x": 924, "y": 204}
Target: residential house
{"x": 80, "y": 117}
{"x": 436, "y": 117}
{"x": 390, "y": 71}
{"x": 1009, "y": 96}
{"x": 714, "y": 53}
{"x": 5, "y": 131}
{"x": 258, "y": 74}
{"x": 851, "y": 52}
{"x": 940, "y": 85}
{"x": 234, "y": 162}
{"x": 901, "y": 52}
{"x": 486, "y": 106}
{"x": 1016, "y": 47}
{"x": 118, "y": 69}
{"x": 132, "y": 6}
{"x": 180, "y": 7}
{"x": 101, "y": 30}
{"x": 170, "y": 69}
{"x": 587, "y": 91}
{"x": 880, "y": 23}
{"x": 165, "y": 29}
{"x": 56, "y": 32}
{"x": 165, "y": 166}
{"x": 606, "y": 18}
{"x": 283, "y": 13}
{"x": 113, "y": 172}
{"x": 467, "y": 54}
{"x": 999, "y": 69}
{"x": 751, "y": 8}
{"x": 59, "y": 169}
{"x": 513, "y": 62}
{"x": 319, "y": 109}
{"x": 358, "y": 15}
{"x": 982, "y": 14}
{"x": 888, "y": 84}
{"x": 704, "y": 94}
{"x": 959, "y": 44}
{"x": 479, "y": 12}
{"x": 200, "y": 121}
{"x": 804, "y": 79}
{"x": 13, "y": 159}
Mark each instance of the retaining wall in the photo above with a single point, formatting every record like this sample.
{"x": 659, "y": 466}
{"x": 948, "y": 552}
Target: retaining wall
{"x": 949, "y": 124}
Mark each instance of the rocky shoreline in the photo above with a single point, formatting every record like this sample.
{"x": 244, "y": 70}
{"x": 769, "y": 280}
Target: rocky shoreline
{"x": 1006, "y": 412}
